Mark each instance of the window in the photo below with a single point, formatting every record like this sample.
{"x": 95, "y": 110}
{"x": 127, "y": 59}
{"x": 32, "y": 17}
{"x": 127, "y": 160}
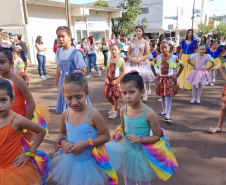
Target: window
{"x": 84, "y": 34}
{"x": 97, "y": 35}
{"x": 182, "y": 11}
{"x": 78, "y": 36}
{"x": 170, "y": 26}
{"x": 145, "y": 10}
{"x": 80, "y": 19}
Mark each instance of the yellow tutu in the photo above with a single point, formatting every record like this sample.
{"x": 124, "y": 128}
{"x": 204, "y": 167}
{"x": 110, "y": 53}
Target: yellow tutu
{"x": 182, "y": 82}
{"x": 217, "y": 61}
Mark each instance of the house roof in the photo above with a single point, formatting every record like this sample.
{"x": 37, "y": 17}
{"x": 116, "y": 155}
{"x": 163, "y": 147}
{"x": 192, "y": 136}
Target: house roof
{"x": 62, "y": 5}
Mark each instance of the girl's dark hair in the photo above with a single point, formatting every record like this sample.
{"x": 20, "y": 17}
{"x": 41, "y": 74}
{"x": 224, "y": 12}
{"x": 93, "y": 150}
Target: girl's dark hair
{"x": 116, "y": 46}
{"x": 213, "y": 41}
{"x": 204, "y": 40}
{"x": 55, "y": 42}
{"x": 171, "y": 46}
{"x": 178, "y": 47}
{"x": 140, "y": 27}
{"x": 202, "y": 44}
{"x": 164, "y": 42}
{"x": 38, "y": 40}
{"x": 83, "y": 39}
{"x": 8, "y": 52}
{"x": 64, "y": 28}
{"x": 192, "y": 37}
{"x": 77, "y": 79}
{"x": 160, "y": 38}
{"x": 152, "y": 44}
{"x": 19, "y": 37}
{"x": 135, "y": 78}
{"x": 5, "y": 85}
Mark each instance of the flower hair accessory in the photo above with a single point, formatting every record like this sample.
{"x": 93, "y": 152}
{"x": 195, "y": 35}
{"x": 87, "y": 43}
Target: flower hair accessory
{"x": 5, "y": 45}
{"x": 78, "y": 71}
{"x": 18, "y": 47}
{"x": 133, "y": 72}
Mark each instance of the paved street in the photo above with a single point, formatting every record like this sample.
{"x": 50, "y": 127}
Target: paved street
{"x": 200, "y": 155}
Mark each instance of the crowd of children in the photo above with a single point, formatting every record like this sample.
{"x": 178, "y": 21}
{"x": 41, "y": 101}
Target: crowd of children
{"x": 86, "y": 155}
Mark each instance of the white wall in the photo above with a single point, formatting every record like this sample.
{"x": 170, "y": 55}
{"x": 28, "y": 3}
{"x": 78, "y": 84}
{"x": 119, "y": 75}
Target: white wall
{"x": 44, "y": 21}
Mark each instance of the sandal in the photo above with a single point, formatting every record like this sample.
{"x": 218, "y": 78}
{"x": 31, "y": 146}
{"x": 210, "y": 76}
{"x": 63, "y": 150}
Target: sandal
{"x": 111, "y": 111}
{"x": 113, "y": 115}
{"x": 214, "y": 130}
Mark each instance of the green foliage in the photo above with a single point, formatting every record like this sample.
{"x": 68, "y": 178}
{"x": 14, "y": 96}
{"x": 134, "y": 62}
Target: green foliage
{"x": 204, "y": 29}
{"x": 217, "y": 18}
{"x": 220, "y": 30}
{"x": 143, "y": 21}
{"x": 102, "y": 3}
{"x": 125, "y": 25}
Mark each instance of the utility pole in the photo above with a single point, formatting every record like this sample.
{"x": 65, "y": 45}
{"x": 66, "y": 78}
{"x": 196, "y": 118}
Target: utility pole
{"x": 68, "y": 13}
{"x": 193, "y": 16}
{"x": 25, "y": 12}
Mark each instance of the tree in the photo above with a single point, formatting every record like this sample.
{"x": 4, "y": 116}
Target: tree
{"x": 125, "y": 25}
{"x": 204, "y": 29}
{"x": 220, "y": 30}
{"x": 102, "y": 3}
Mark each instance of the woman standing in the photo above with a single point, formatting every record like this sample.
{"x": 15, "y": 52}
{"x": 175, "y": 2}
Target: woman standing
{"x": 41, "y": 57}
{"x": 105, "y": 51}
{"x": 23, "y": 51}
{"x": 83, "y": 49}
{"x": 161, "y": 38}
{"x": 92, "y": 57}
{"x": 188, "y": 47}
{"x": 204, "y": 41}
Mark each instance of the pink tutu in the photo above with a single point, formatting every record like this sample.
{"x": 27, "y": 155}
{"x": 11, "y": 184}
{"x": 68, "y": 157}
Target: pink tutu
{"x": 198, "y": 77}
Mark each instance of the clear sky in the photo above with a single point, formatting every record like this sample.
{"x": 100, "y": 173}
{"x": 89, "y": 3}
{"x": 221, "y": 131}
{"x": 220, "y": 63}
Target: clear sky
{"x": 217, "y": 7}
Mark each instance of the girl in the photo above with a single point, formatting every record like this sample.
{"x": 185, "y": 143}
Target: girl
{"x": 177, "y": 53}
{"x": 80, "y": 125}
{"x": 171, "y": 49}
{"x": 55, "y": 46}
{"x": 41, "y": 57}
{"x": 152, "y": 50}
{"x": 204, "y": 41}
{"x": 138, "y": 54}
{"x": 161, "y": 38}
{"x": 20, "y": 88}
{"x": 114, "y": 74}
{"x": 92, "y": 56}
{"x": 199, "y": 75}
{"x": 223, "y": 108}
{"x": 16, "y": 166}
{"x": 137, "y": 121}
{"x": 216, "y": 52}
{"x": 166, "y": 85}
{"x": 68, "y": 59}
{"x": 188, "y": 47}
{"x": 19, "y": 65}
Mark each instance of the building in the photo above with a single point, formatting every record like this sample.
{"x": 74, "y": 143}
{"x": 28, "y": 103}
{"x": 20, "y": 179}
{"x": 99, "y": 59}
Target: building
{"x": 213, "y": 23}
{"x": 172, "y": 17}
{"x": 45, "y": 16}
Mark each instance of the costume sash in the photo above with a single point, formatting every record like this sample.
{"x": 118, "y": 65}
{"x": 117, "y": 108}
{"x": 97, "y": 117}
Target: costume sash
{"x": 160, "y": 157}
{"x": 101, "y": 156}
{"x": 41, "y": 162}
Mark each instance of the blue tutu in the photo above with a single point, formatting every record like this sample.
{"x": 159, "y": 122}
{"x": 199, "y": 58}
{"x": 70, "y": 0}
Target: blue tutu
{"x": 67, "y": 170}
{"x": 134, "y": 162}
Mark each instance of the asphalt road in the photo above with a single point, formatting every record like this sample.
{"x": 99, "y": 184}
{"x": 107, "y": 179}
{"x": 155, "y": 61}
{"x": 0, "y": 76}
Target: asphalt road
{"x": 201, "y": 156}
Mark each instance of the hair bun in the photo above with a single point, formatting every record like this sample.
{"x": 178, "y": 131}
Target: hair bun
{"x": 133, "y": 72}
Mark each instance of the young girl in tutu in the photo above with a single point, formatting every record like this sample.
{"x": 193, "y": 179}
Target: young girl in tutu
{"x": 82, "y": 129}
{"x": 137, "y": 122}
{"x": 18, "y": 66}
{"x": 223, "y": 108}
{"x": 20, "y": 88}
{"x": 114, "y": 74}
{"x": 16, "y": 166}
{"x": 199, "y": 75}
{"x": 166, "y": 85}
{"x": 138, "y": 54}
{"x": 216, "y": 52}
{"x": 68, "y": 59}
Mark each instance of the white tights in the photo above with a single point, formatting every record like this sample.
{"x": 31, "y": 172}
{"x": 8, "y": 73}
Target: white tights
{"x": 213, "y": 74}
{"x": 131, "y": 182}
{"x": 166, "y": 105}
{"x": 194, "y": 92}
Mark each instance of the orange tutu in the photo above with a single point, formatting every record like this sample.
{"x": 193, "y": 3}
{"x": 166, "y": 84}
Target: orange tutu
{"x": 26, "y": 175}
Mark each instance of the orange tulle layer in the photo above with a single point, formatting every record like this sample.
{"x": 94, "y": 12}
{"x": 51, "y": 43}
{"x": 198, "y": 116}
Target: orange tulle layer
{"x": 26, "y": 175}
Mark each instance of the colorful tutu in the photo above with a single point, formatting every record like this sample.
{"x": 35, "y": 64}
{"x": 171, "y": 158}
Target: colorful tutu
{"x": 134, "y": 162}
{"x": 66, "y": 169}
{"x": 217, "y": 61}
{"x": 166, "y": 86}
{"x": 199, "y": 77}
{"x": 26, "y": 175}
{"x": 223, "y": 98}
{"x": 112, "y": 90}
{"x": 144, "y": 70}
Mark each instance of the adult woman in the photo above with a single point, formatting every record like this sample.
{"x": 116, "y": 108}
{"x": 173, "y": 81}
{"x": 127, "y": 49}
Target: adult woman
{"x": 204, "y": 41}
{"x": 188, "y": 47}
{"x": 105, "y": 51}
{"x": 161, "y": 38}
{"x": 23, "y": 51}
{"x": 91, "y": 56}
{"x": 41, "y": 57}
